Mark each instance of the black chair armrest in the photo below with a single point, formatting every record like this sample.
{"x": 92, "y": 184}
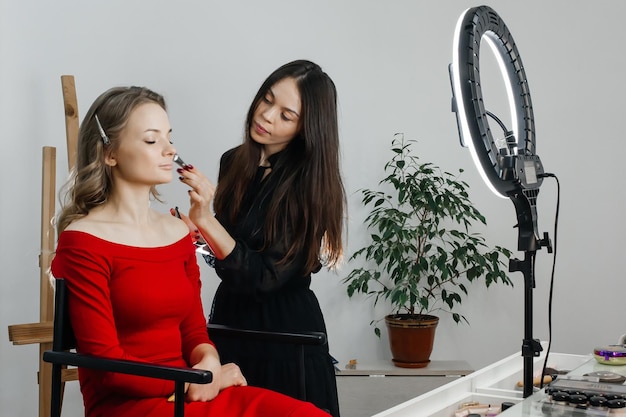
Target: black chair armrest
{"x": 299, "y": 340}
{"x": 305, "y": 338}
{"x": 194, "y": 376}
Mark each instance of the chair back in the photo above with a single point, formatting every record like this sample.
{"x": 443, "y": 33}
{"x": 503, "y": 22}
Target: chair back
{"x": 63, "y": 339}
{"x": 63, "y": 336}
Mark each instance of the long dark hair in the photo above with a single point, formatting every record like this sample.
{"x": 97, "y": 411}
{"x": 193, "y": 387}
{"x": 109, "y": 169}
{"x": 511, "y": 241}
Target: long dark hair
{"x": 310, "y": 196}
{"x": 90, "y": 181}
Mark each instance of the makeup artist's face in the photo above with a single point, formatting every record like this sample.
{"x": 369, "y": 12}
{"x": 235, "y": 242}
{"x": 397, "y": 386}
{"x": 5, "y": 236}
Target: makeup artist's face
{"x": 276, "y": 119}
{"x": 145, "y": 153}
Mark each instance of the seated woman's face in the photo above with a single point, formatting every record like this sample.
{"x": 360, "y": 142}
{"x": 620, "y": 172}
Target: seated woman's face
{"x": 145, "y": 152}
{"x": 276, "y": 119}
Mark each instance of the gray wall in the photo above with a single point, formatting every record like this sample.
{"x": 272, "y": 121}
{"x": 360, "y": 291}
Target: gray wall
{"x": 389, "y": 61}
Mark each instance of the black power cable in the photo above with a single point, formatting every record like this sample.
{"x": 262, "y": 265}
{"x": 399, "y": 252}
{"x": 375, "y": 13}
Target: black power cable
{"x": 556, "y": 223}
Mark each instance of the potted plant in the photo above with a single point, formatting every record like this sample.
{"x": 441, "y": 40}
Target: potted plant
{"x": 422, "y": 252}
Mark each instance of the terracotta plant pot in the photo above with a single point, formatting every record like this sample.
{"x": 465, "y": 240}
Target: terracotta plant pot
{"x": 411, "y": 339}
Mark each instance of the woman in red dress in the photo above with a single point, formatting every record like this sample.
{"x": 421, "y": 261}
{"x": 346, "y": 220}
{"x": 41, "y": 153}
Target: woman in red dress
{"x": 132, "y": 275}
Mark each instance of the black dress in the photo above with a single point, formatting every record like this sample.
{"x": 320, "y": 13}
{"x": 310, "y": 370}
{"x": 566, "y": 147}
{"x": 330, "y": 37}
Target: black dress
{"x": 257, "y": 293}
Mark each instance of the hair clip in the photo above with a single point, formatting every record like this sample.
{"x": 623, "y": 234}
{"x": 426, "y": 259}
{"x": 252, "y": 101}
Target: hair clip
{"x": 104, "y": 136}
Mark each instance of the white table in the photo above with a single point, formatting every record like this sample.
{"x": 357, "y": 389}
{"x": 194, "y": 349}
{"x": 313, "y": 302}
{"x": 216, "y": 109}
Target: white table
{"x": 375, "y": 386}
{"x": 493, "y": 384}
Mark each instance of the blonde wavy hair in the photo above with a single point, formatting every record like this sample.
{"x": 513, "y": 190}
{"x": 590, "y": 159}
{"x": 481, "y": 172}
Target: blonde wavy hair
{"x": 90, "y": 181}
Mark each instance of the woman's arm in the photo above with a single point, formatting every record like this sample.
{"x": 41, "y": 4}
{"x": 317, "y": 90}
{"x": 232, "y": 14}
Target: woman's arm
{"x": 215, "y": 235}
{"x": 201, "y": 198}
{"x": 247, "y": 270}
{"x": 204, "y": 356}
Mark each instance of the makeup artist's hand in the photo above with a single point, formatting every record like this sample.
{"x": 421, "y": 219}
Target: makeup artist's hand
{"x": 201, "y": 215}
{"x": 193, "y": 230}
{"x": 200, "y": 195}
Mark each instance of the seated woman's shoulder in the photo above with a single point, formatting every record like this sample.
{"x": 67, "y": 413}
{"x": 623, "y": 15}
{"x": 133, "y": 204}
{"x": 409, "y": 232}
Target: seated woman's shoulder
{"x": 173, "y": 227}
{"x": 85, "y": 224}
{"x": 175, "y": 223}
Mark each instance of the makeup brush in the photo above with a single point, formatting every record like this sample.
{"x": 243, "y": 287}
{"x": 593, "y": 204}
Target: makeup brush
{"x": 179, "y": 161}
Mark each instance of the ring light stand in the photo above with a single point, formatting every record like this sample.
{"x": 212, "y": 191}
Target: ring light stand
{"x": 513, "y": 171}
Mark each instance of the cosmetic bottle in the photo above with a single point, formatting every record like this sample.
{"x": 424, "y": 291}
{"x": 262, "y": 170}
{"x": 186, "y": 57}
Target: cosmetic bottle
{"x": 506, "y": 405}
{"x": 560, "y": 398}
{"x": 578, "y": 403}
{"x": 558, "y": 405}
{"x": 617, "y": 408}
{"x": 613, "y": 396}
{"x": 492, "y": 411}
{"x": 597, "y": 405}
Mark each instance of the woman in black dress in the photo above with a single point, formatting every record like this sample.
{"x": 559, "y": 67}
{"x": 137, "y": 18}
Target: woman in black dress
{"x": 279, "y": 209}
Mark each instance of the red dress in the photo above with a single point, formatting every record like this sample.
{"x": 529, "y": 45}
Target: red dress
{"x": 144, "y": 304}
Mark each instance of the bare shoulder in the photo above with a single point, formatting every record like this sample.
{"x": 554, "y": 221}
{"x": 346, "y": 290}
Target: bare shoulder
{"x": 169, "y": 229}
{"x": 86, "y": 224}
{"x": 174, "y": 224}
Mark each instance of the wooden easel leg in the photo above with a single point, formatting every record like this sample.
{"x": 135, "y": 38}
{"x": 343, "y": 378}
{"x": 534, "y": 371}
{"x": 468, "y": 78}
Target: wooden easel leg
{"x": 45, "y": 382}
{"x": 71, "y": 118}
{"x": 46, "y": 292}
{"x": 42, "y": 332}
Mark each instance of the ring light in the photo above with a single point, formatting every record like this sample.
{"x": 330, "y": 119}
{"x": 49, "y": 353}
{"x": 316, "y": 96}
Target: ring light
{"x": 512, "y": 170}
{"x": 504, "y": 170}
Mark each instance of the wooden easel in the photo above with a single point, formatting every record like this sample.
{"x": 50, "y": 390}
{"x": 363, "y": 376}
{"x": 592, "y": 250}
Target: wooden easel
{"x": 41, "y": 333}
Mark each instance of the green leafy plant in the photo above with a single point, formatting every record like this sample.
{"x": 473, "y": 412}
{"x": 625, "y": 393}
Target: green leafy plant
{"x": 422, "y": 252}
